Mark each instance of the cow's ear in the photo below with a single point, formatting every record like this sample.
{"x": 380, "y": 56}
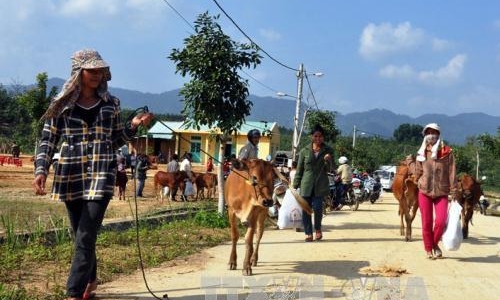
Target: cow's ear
{"x": 240, "y": 164}
{"x": 237, "y": 164}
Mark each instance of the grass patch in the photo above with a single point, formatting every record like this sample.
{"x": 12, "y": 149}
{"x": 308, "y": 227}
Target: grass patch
{"x": 31, "y": 268}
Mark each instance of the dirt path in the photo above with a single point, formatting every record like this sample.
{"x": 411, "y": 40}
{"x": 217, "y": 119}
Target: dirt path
{"x": 360, "y": 257}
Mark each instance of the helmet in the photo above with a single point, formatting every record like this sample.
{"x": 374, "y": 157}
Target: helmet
{"x": 343, "y": 160}
{"x": 253, "y": 133}
{"x": 434, "y": 126}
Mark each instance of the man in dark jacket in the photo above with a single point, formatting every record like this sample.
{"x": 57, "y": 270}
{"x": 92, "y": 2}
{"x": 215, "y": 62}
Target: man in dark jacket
{"x": 140, "y": 173}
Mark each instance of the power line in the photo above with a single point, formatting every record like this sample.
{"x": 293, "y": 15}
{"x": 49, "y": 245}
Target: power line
{"x": 311, "y": 91}
{"x": 250, "y": 39}
{"x": 259, "y": 82}
{"x": 189, "y": 24}
{"x": 179, "y": 14}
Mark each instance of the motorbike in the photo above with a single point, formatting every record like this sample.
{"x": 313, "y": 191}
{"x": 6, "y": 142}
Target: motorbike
{"x": 371, "y": 189}
{"x": 348, "y": 198}
{"x": 358, "y": 189}
{"x": 483, "y": 204}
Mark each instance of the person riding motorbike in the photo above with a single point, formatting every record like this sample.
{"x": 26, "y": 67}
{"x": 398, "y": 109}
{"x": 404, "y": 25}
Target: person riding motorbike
{"x": 344, "y": 172}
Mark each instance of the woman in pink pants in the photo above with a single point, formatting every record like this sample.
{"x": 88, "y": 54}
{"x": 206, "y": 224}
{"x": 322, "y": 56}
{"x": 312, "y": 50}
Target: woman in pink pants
{"x": 436, "y": 175}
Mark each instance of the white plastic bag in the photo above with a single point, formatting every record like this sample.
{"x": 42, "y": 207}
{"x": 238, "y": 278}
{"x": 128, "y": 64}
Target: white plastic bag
{"x": 290, "y": 212}
{"x": 452, "y": 237}
{"x": 273, "y": 211}
{"x": 189, "y": 190}
{"x": 166, "y": 191}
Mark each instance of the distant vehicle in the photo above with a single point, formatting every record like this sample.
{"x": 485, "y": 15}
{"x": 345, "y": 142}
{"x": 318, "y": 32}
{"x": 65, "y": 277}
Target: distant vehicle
{"x": 386, "y": 175}
{"x": 282, "y": 159}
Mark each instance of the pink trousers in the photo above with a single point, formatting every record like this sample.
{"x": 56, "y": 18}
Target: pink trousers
{"x": 432, "y": 229}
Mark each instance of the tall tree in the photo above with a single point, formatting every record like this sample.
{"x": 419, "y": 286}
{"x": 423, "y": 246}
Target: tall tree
{"x": 34, "y": 102}
{"x": 7, "y": 119}
{"x": 326, "y": 119}
{"x": 408, "y": 133}
{"x": 216, "y": 95}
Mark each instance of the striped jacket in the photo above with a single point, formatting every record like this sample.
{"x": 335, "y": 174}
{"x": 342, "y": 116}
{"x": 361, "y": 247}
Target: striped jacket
{"x": 87, "y": 164}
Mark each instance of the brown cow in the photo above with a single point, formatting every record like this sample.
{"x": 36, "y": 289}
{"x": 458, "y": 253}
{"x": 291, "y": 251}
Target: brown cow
{"x": 248, "y": 193}
{"x": 405, "y": 191}
{"x": 208, "y": 181}
{"x": 174, "y": 180}
{"x": 469, "y": 192}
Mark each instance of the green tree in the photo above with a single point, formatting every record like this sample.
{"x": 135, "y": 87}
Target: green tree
{"x": 286, "y": 136}
{"x": 34, "y": 102}
{"x": 326, "y": 119}
{"x": 7, "y": 118}
{"x": 408, "y": 133}
{"x": 491, "y": 143}
{"x": 216, "y": 95}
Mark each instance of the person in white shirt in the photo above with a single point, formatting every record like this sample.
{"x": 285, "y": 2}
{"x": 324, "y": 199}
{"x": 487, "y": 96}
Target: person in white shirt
{"x": 250, "y": 150}
{"x": 186, "y": 167}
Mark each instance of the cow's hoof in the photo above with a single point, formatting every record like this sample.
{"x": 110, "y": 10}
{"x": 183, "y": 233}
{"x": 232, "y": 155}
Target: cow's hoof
{"x": 254, "y": 263}
{"x": 247, "y": 272}
{"x": 232, "y": 266}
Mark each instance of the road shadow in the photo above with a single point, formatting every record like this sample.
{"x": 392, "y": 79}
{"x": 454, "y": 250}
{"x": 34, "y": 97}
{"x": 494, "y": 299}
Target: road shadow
{"x": 478, "y": 259}
{"x": 482, "y": 240}
{"x": 339, "y": 269}
{"x": 362, "y": 226}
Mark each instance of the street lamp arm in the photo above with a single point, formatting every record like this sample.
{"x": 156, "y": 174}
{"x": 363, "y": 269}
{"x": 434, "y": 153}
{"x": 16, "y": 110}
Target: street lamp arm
{"x": 317, "y": 74}
{"x": 281, "y": 94}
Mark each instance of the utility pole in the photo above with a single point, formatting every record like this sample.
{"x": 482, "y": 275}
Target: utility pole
{"x": 353, "y": 145}
{"x": 295, "y": 139}
{"x": 354, "y": 137}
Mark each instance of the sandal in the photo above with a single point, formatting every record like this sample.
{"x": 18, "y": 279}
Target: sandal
{"x": 90, "y": 290}
{"x": 319, "y": 235}
{"x": 430, "y": 255}
{"x": 437, "y": 252}
{"x": 309, "y": 238}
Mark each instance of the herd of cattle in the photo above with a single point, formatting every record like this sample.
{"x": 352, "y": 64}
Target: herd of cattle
{"x": 248, "y": 193}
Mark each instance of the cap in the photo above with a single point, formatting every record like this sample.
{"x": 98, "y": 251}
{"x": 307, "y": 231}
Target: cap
{"x": 434, "y": 126}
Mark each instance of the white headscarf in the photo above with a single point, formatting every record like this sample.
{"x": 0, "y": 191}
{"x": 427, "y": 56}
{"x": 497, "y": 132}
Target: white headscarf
{"x": 82, "y": 59}
{"x": 435, "y": 147}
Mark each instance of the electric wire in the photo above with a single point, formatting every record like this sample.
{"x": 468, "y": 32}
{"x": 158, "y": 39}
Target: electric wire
{"x": 250, "y": 39}
{"x": 311, "y": 91}
{"x": 253, "y": 78}
{"x": 259, "y": 82}
{"x": 178, "y": 13}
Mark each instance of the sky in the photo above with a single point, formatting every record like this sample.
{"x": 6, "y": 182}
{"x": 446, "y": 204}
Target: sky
{"x": 410, "y": 57}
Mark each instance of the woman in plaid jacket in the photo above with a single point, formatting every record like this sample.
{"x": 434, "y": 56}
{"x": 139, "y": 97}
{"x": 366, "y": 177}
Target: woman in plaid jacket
{"x": 84, "y": 121}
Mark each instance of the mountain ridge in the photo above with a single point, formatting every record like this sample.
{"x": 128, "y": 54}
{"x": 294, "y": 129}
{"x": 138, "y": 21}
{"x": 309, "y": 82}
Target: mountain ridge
{"x": 378, "y": 122}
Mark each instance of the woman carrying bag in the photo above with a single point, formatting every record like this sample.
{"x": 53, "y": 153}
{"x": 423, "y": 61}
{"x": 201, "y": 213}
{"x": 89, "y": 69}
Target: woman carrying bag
{"x": 436, "y": 176}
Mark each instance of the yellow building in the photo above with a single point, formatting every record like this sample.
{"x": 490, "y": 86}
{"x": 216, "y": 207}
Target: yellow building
{"x": 168, "y": 138}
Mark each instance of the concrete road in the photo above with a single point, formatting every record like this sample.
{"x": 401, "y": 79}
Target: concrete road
{"x": 362, "y": 256}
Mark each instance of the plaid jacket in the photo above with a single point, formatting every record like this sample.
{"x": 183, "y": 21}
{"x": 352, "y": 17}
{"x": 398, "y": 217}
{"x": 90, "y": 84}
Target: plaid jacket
{"x": 87, "y": 164}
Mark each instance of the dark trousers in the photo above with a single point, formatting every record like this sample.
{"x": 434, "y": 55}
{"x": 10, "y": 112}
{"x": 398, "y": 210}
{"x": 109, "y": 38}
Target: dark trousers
{"x": 339, "y": 198}
{"x": 316, "y": 202}
{"x": 86, "y": 218}
{"x": 140, "y": 186}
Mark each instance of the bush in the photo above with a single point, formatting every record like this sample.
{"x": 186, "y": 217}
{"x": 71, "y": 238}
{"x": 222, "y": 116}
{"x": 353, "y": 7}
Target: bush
{"x": 211, "y": 219}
